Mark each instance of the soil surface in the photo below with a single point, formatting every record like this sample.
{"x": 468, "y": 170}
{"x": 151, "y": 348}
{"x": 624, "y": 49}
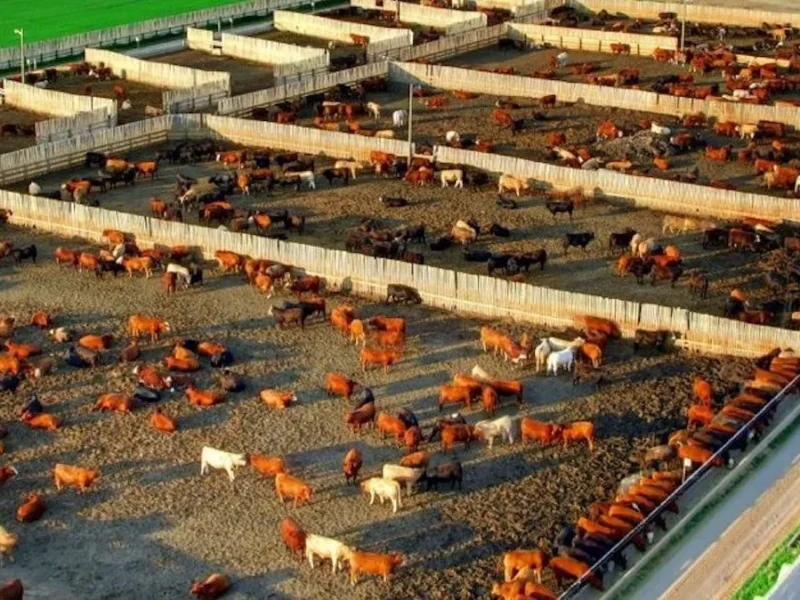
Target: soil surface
{"x": 139, "y": 94}
{"x": 332, "y": 211}
{"x": 152, "y": 522}
{"x": 246, "y": 76}
{"x": 10, "y": 114}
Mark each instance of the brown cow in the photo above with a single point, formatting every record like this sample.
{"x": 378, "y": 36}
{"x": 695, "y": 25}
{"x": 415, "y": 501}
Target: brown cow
{"x": 351, "y": 465}
{"x": 211, "y": 587}
{"x": 139, "y": 324}
{"x": 31, "y": 510}
{"x": 372, "y": 356}
{"x": 293, "y": 536}
{"x": 453, "y": 394}
{"x": 544, "y": 433}
{"x": 79, "y": 477}
{"x": 162, "y": 422}
{"x": 114, "y": 402}
{"x": 565, "y": 567}
{"x": 268, "y": 466}
{"x": 578, "y": 430}
{"x": 293, "y": 488}
{"x": 388, "y": 424}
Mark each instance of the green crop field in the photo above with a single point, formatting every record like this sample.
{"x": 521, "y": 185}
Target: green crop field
{"x": 57, "y": 18}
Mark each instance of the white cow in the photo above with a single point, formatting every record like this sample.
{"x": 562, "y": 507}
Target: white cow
{"x": 324, "y": 547}
{"x": 452, "y": 136}
{"x": 219, "y": 459}
{"x": 660, "y": 129}
{"x": 307, "y": 177}
{"x": 403, "y": 475}
{"x": 384, "y": 490}
{"x": 352, "y": 165}
{"x": 564, "y": 154}
{"x": 747, "y": 130}
{"x": 34, "y": 189}
{"x": 399, "y": 118}
{"x": 126, "y": 105}
{"x": 488, "y": 430}
{"x": 635, "y": 241}
{"x": 374, "y": 109}
{"x": 454, "y": 176}
{"x": 181, "y": 272}
{"x": 562, "y": 60}
{"x": 541, "y": 353}
{"x": 563, "y": 359}
{"x": 480, "y": 374}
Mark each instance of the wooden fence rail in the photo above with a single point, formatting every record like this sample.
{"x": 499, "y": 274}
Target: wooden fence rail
{"x": 441, "y": 288}
{"x": 450, "y": 21}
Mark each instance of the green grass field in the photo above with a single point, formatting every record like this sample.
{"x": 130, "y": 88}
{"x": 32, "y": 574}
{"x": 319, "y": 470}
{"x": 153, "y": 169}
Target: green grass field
{"x": 764, "y": 579}
{"x": 57, "y": 18}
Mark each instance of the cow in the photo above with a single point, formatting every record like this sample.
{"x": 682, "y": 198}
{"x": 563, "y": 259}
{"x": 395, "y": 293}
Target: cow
{"x": 31, "y": 510}
{"x": 372, "y": 356}
{"x": 488, "y": 430}
{"x": 544, "y": 433}
{"x": 293, "y": 488}
{"x": 293, "y": 536}
{"x": 454, "y": 176}
{"x": 114, "y": 402}
{"x": 510, "y": 182}
{"x": 213, "y": 586}
{"x": 402, "y": 294}
{"x": 608, "y": 131}
{"x": 326, "y": 548}
{"x": 657, "y": 339}
{"x": 219, "y": 459}
{"x": 139, "y": 324}
{"x": 578, "y": 430}
{"x": 578, "y": 240}
{"x": 78, "y": 477}
{"x": 384, "y": 489}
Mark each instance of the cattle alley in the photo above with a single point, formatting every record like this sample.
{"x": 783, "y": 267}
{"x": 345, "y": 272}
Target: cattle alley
{"x": 332, "y": 211}
{"x": 153, "y": 522}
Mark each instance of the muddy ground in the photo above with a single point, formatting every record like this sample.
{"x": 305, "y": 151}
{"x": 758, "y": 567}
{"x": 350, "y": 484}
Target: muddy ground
{"x": 10, "y": 114}
{"x": 332, "y": 211}
{"x": 153, "y": 523}
{"x": 246, "y": 76}
{"x": 139, "y": 94}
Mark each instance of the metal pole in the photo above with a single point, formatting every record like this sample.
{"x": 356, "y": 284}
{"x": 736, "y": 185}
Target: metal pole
{"x": 410, "y": 116}
{"x": 21, "y": 34}
{"x": 683, "y": 24}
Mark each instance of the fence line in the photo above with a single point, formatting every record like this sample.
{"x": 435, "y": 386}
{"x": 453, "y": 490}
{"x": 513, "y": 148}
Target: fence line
{"x": 441, "y": 288}
{"x": 590, "y": 40}
{"x": 638, "y": 100}
{"x": 244, "y": 104}
{"x": 451, "y": 45}
{"x": 693, "y": 12}
{"x": 206, "y": 95}
{"x": 381, "y": 39}
{"x": 450, "y": 21}
{"x": 62, "y": 128}
{"x": 69, "y": 46}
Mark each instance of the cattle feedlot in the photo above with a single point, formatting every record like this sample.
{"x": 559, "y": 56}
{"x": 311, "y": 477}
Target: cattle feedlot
{"x": 271, "y": 350}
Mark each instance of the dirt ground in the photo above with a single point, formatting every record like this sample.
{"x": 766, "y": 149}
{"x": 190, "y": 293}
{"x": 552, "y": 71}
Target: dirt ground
{"x": 152, "y": 523}
{"x": 339, "y": 50}
{"x": 10, "y": 114}
{"x": 332, "y": 211}
{"x": 355, "y": 15}
{"x": 246, "y": 76}
{"x": 139, "y": 94}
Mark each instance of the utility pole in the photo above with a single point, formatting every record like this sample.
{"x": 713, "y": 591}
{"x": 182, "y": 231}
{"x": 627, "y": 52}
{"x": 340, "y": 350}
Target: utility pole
{"x": 410, "y": 116}
{"x": 683, "y": 24}
{"x": 21, "y": 33}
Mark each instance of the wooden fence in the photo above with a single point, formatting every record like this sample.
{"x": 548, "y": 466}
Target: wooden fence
{"x": 657, "y": 194}
{"x": 451, "y": 45}
{"x": 441, "y": 288}
{"x": 66, "y": 47}
{"x": 693, "y": 12}
{"x": 449, "y": 21}
{"x": 590, "y": 40}
{"x": 244, "y": 104}
{"x": 202, "y": 40}
{"x": 288, "y": 60}
{"x": 630, "y": 99}
{"x": 200, "y": 97}
{"x": 62, "y": 128}
{"x": 27, "y": 163}
{"x": 520, "y": 8}
{"x": 381, "y": 39}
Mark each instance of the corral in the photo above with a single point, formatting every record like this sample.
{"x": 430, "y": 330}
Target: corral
{"x": 332, "y": 211}
{"x": 165, "y": 525}
{"x": 140, "y": 95}
{"x": 245, "y": 76}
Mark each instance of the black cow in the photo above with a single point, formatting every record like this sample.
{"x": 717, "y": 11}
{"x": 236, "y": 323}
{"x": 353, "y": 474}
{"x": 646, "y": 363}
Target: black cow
{"x": 476, "y": 179}
{"x": 222, "y": 359}
{"x": 450, "y": 472}
{"x": 32, "y": 407}
{"x": 524, "y": 261}
{"x": 95, "y": 160}
{"x": 10, "y": 383}
{"x": 578, "y": 240}
{"x": 477, "y": 255}
{"x": 27, "y": 253}
{"x": 499, "y": 262}
{"x": 408, "y": 418}
{"x": 555, "y": 208}
{"x": 499, "y": 231}
{"x": 415, "y": 233}
{"x": 402, "y": 293}
{"x": 108, "y": 266}
{"x": 331, "y": 174}
{"x": 361, "y": 396}
{"x": 143, "y": 393}
{"x": 441, "y": 243}
{"x": 621, "y": 240}
{"x": 716, "y": 236}
{"x": 391, "y": 202}
{"x": 296, "y": 222}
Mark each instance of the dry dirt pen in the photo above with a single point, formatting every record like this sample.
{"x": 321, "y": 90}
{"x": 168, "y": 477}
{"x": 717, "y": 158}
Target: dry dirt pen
{"x": 354, "y": 15}
{"x": 13, "y": 115}
{"x": 153, "y": 523}
{"x": 339, "y": 51}
{"x": 245, "y": 76}
{"x": 139, "y": 94}
{"x": 578, "y": 121}
{"x": 331, "y": 212}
